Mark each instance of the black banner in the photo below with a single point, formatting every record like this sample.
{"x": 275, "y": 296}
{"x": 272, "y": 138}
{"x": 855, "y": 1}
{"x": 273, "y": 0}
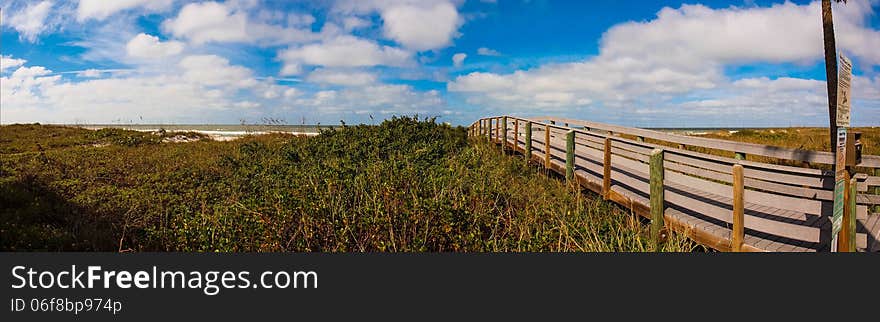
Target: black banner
{"x": 544, "y": 287}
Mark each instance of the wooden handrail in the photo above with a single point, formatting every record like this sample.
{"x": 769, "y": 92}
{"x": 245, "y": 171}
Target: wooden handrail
{"x": 821, "y": 157}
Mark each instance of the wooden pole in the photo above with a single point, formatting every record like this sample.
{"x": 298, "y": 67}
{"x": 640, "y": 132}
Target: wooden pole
{"x": 876, "y": 190}
{"x": 515, "y": 134}
{"x": 738, "y": 233}
{"x": 503, "y": 135}
{"x": 569, "y": 156}
{"x": 606, "y": 170}
{"x": 547, "y": 147}
{"x": 843, "y": 234}
{"x": 479, "y": 127}
{"x": 657, "y": 202}
{"x": 488, "y": 130}
{"x": 528, "y": 150}
{"x": 498, "y": 129}
{"x": 850, "y": 217}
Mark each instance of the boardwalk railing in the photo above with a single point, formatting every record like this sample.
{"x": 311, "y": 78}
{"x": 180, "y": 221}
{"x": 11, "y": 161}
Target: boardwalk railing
{"x": 722, "y": 202}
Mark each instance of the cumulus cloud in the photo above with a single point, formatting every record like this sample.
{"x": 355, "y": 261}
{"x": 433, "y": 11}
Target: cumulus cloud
{"x": 415, "y": 24}
{"x": 343, "y": 51}
{"x": 35, "y": 93}
{"x": 422, "y": 27}
{"x": 458, "y": 59}
{"x": 223, "y": 22}
{"x": 101, "y": 9}
{"x": 483, "y": 51}
{"x": 212, "y": 70}
{"x": 676, "y": 61}
{"x": 341, "y": 77}
{"x": 147, "y": 46}
{"x": 7, "y": 62}
{"x": 30, "y": 21}
{"x": 378, "y": 99}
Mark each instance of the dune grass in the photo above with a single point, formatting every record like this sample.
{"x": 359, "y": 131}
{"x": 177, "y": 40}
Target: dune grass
{"x": 404, "y": 185}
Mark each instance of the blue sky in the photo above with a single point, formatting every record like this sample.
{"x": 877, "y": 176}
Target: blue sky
{"x": 638, "y": 63}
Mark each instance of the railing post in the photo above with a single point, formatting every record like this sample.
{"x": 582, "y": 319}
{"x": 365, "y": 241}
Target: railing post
{"x": 739, "y": 156}
{"x": 479, "y": 128}
{"x": 503, "y": 133}
{"x": 515, "y": 135}
{"x": 843, "y": 234}
{"x": 498, "y": 129}
{"x": 850, "y": 221}
{"x": 547, "y": 147}
{"x": 737, "y": 234}
{"x": 528, "y": 150}
{"x": 606, "y": 170}
{"x": 657, "y": 202}
{"x": 876, "y": 190}
{"x": 569, "y": 156}
{"x": 488, "y": 130}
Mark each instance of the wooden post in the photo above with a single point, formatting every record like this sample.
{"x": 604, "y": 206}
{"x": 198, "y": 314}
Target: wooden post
{"x": 547, "y": 147}
{"x": 657, "y": 203}
{"x": 515, "y": 134}
{"x": 843, "y": 234}
{"x": 503, "y": 133}
{"x": 739, "y": 156}
{"x": 606, "y": 170}
{"x": 569, "y": 156}
{"x": 850, "y": 217}
{"x": 488, "y": 130}
{"x": 876, "y": 190}
{"x": 479, "y": 127}
{"x": 528, "y": 150}
{"x": 498, "y": 129}
{"x": 738, "y": 233}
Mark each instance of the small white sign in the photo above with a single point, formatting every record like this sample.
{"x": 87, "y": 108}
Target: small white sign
{"x": 844, "y": 90}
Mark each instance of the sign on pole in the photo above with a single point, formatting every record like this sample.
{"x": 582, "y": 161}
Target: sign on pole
{"x": 839, "y": 183}
{"x": 844, "y": 79}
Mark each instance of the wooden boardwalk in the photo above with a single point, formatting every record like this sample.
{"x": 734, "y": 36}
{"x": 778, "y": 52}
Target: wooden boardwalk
{"x": 785, "y": 208}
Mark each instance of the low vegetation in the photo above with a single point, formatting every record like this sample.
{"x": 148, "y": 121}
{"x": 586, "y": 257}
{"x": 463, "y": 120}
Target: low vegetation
{"x": 404, "y": 185}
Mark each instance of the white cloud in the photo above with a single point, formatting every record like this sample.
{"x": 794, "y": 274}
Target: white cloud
{"x": 201, "y": 92}
{"x": 212, "y": 70}
{"x": 422, "y": 27}
{"x": 416, "y": 24}
{"x": 300, "y": 20}
{"x": 676, "y": 62}
{"x": 30, "y": 21}
{"x": 483, "y": 51}
{"x": 217, "y": 22}
{"x": 343, "y": 51}
{"x": 7, "y": 62}
{"x": 341, "y": 77}
{"x": 89, "y": 73}
{"x": 147, "y": 46}
{"x": 458, "y": 59}
{"x": 377, "y": 99}
{"x": 208, "y": 21}
{"x": 101, "y": 9}
{"x": 352, "y": 23}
